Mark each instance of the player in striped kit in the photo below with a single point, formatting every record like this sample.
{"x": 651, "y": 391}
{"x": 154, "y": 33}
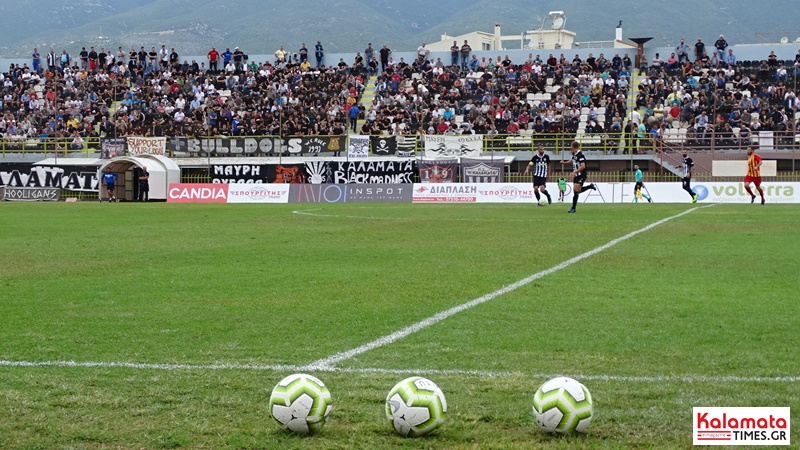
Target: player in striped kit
{"x": 753, "y": 174}
{"x": 541, "y": 167}
{"x": 688, "y": 166}
{"x": 579, "y": 174}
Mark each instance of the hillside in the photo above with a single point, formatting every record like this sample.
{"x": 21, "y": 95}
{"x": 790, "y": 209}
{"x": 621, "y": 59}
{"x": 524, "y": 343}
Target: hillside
{"x": 347, "y": 25}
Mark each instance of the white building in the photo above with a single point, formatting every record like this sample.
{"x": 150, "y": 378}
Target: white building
{"x": 551, "y": 35}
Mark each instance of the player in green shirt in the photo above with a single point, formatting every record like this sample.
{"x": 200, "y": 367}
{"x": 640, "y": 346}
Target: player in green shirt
{"x": 562, "y": 187}
{"x": 637, "y": 189}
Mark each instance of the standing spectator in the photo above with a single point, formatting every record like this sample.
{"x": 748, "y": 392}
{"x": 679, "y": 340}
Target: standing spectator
{"x": 455, "y": 50}
{"x": 319, "y": 54}
{"x": 227, "y": 56}
{"x": 152, "y": 58}
{"x": 682, "y": 52}
{"x": 144, "y": 185}
{"x": 142, "y": 57}
{"x": 64, "y": 58}
{"x": 699, "y": 50}
{"x": 213, "y": 57}
{"x": 369, "y": 53}
{"x": 303, "y": 53}
{"x": 422, "y": 53}
{"x": 354, "y": 118}
{"x": 84, "y": 56}
{"x": 163, "y": 57}
{"x": 36, "y": 60}
{"x": 92, "y": 59}
{"x": 721, "y": 45}
{"x": 465, "y": 51}
{"x": 52, "y": 61}
{"x": 384, "y": 53}
{"x": 174, "y": 58}
{"x": 238, "y": 59}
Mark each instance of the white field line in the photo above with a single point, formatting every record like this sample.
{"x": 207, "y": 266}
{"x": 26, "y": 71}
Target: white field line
{"x": 372, "y": 370}
{"x": 438, "y": 317}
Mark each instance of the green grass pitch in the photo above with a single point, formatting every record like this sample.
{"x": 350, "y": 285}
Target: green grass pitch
{"x": 190, "y": 310}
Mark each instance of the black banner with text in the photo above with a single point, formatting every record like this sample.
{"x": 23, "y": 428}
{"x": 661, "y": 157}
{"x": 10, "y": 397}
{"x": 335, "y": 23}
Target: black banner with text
{"x": 73, "y": 178}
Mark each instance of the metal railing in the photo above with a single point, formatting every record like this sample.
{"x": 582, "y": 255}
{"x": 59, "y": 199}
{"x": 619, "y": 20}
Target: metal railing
{"x": 56, "y": 147}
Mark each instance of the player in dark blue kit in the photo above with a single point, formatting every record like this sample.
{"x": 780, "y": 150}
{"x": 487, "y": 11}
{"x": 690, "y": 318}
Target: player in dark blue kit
{"x": 110, "y": 178}
{"x": 579, "y": 174}
{"x": 541, "y": 166}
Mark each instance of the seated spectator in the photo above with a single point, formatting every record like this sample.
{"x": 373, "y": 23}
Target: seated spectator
{"x": 672, "y": 62}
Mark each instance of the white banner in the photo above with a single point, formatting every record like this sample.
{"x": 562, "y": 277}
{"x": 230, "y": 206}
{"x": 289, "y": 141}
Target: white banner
{"x": 150, "y": 145}
{"x": 258, "y": 193}
{"x": 717, "y": 192}
{"x": 358, "y": 147}
{"x": 469, "y": 145}
{"x": 476, "y": 193}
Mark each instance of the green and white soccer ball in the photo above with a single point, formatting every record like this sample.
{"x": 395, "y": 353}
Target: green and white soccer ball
{"x": 543, "y": 201}
{"x": 301, "y": 403}
{"x": 416, "y": 407}
{"x": 563, "y": 405}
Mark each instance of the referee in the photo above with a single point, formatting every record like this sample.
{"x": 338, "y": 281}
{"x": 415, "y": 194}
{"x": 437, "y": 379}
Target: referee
{"x": 579, "y": 174}
{"x": 541, "y": 167}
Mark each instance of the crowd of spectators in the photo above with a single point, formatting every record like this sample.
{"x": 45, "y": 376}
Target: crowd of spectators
{"x": 718, "y": 98}
{"x": 146, "y": 93}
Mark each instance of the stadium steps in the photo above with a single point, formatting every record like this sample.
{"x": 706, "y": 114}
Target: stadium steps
{"x": 366, "y": 100}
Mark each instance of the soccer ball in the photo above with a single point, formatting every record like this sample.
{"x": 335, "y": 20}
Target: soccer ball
{"x": 301, "y": 403}
{"x": 563, "y": 405}
{"x": 542, "y": 201}
{"x": 416, "y": 407}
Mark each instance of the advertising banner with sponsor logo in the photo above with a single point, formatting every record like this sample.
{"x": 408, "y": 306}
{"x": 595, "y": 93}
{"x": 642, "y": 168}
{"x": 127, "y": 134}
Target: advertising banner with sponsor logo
{"x": 473, "y": 193}
{"x": 197, "y": 193}
{"x": 258, "y": 193}
{"x": 438, "y": 171}
{"x": 741, "y": 426}
{"x": 146, "y": 145}
{"x": 73, "y": 178}
{"x": 712, "y": 192}
{"x": 358, "y": 147}
{"x": 464, "y": 145}
{"x": 31, "y": 194}
{"x": 482, "y": 171}
{"x": 350, "y": 193}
